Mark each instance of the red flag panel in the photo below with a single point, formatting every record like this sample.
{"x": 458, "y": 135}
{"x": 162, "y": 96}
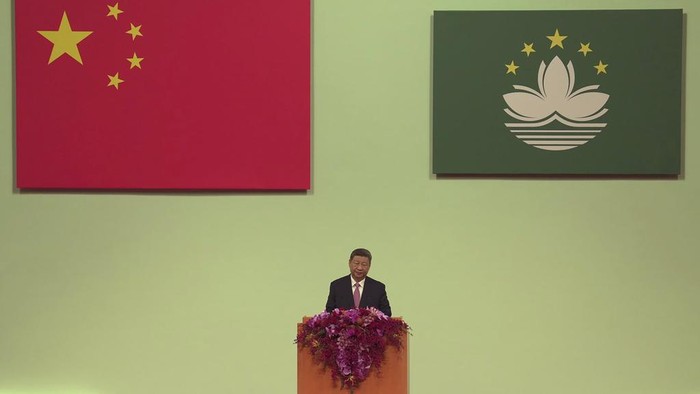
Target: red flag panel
{"x": 209, "y": 95}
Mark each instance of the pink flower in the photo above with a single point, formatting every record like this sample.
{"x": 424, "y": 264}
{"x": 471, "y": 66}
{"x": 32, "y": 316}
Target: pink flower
{"x": 350, "y": 342}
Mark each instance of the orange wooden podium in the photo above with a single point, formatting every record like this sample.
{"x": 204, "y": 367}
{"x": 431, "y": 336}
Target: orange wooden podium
{"x": 312, "y": 379}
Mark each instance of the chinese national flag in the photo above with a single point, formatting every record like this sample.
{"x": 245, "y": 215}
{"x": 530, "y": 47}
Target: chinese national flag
{"x": 169, "y": 95}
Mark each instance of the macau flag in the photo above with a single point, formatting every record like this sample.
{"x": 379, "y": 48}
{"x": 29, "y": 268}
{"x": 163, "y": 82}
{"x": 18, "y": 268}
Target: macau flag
{"x": 557, "y": 92}
{"x": 167, "y": 95}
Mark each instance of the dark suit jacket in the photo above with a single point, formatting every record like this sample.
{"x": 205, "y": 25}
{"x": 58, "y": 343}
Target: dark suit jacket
{"x": 373, "y": 295}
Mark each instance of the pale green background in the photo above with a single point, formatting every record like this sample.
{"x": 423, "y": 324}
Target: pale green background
{"x": 512, "y": 286}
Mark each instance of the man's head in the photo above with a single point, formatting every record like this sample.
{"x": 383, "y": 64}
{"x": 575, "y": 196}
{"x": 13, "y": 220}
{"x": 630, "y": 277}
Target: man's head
{"x": 359, "y": 263}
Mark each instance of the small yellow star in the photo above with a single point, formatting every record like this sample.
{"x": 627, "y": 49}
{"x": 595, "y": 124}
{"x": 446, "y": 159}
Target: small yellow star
{"x": 135, "y": 61}
{"x": 585, "y": 48}
{"x": 511, "y": 67}
{"x": 601, "y": 67}
{"x": 528, "y": 49}
{"x": 135, "y": 31}
{"x": 114, "y": 80}
{"x": 557, "y": 40}
{"x": 114, "y": 11}
{"x": 65, "y": 40}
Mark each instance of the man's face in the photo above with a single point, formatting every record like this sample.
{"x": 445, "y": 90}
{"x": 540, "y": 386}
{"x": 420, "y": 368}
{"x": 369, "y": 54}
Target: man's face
{"x": 359, "y": 267}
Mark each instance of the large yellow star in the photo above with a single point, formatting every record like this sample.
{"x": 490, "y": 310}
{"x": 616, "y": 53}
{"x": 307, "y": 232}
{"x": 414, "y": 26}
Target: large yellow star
{"x": 528, "y": 49}
{"x": 135, "y": 61}
{"x": 585, "y": 48}
{"x": 557, "y": 40}
{"x": 511, "y": 67}
{"x": 114, "y": 11}
{"x": 65, "y": 40}
{"x": 134, "y": 31}
{"x": 114, "y": 80}
{"x": 601, "y": 67}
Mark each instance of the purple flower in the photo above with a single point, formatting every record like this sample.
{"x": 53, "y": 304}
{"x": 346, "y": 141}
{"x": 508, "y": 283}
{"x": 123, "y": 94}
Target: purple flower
{"x": 350, "y": 342}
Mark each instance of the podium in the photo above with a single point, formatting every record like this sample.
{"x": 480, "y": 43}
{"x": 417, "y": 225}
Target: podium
{"x": 393, "y": 379}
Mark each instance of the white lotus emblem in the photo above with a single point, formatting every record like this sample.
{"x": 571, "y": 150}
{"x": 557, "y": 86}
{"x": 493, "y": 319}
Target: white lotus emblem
{"x": 556, "y": 100}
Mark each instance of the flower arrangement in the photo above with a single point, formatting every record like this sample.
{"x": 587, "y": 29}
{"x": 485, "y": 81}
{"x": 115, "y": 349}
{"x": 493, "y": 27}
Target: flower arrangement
{"x": 351, "y": 342}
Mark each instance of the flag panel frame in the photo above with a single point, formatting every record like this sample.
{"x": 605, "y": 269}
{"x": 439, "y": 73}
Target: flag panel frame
{"x": 471, "y": 53}
{"x": 222, "y": 100}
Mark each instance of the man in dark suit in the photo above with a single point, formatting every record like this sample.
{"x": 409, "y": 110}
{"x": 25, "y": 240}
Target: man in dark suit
{"x": 357, "y": 289}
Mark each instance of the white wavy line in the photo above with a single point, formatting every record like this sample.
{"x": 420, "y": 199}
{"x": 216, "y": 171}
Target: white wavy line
{"x": 594, "y": 116}
{"x": 557, "y": 147}
{"x": 540, "y": 77}
{"x": 518, "y": 117}
{"x": 555, "y": 131}
{"x": 588, "y": 137}
{"x": 584, "y": 89}
{"x": 554, "y": 142}
{"x": 529, "y": 90}
{"x": 572, "y": 78}
{"x": 550, "y": 120}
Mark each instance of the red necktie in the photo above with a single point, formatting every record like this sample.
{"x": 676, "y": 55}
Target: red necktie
{"x": 356, "y": 295}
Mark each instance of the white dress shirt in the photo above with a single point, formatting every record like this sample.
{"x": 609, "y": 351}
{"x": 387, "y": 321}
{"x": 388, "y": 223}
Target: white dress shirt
{"x": 362, "y": 285}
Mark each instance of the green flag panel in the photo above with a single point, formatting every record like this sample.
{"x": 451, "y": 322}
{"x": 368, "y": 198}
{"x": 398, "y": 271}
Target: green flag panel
{"x": 557, "y": 92}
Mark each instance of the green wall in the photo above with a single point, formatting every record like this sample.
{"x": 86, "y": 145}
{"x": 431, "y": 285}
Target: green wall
{"x": 537, "y": 286}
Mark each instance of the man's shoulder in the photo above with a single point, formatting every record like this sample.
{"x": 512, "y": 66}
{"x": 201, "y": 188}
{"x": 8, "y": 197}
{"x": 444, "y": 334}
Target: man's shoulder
{"x": 374, "y": 282}
{"x": 345, "y": 278}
